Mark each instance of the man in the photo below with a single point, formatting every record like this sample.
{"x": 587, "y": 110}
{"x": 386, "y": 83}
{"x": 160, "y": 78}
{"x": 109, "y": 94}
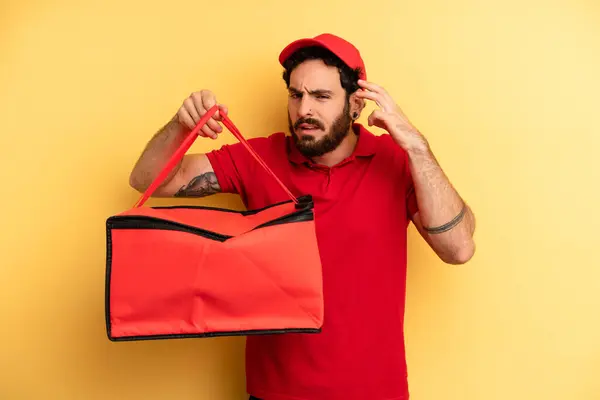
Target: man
{"x": 366, "y": 189}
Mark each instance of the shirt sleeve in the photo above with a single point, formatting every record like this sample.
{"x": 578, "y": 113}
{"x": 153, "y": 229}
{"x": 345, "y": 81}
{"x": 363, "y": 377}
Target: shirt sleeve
{"x": 236, "y": 169}
{"x": 228, "y": 163}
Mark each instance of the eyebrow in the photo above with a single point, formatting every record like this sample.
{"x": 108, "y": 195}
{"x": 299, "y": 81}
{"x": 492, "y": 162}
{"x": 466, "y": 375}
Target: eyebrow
{"x": 313, "y": 92}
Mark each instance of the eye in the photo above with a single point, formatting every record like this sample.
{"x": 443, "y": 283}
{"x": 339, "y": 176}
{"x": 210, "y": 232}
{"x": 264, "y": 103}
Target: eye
{"x": 322, "y": 96}
{"x": 295, "y": 95}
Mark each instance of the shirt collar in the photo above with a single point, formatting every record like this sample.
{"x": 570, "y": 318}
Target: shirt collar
{"x": 366, "y": 146}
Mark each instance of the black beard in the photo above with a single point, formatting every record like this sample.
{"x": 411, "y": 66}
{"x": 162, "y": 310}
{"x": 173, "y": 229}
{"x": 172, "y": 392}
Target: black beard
{"x": 309, "y": 146}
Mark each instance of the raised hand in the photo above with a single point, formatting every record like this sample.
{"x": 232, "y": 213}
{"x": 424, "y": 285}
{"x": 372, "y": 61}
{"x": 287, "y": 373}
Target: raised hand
{"x": 195, "y": 106}
{"x": 390, "y": 117}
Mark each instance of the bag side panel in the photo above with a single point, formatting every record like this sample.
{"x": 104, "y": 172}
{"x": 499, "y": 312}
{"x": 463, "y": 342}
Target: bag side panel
{"x": 288, "y": 256}
{"x": 151, "y": 282}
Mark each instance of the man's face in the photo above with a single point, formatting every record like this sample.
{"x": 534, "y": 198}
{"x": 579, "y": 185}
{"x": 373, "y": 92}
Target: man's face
{"x": 318, "y": 111}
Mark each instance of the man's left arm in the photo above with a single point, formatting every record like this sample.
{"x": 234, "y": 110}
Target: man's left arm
{"x": 444, "y": 219}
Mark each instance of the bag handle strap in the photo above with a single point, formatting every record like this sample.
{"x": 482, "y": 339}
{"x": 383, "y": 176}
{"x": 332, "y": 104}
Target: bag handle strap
{"x": 232, "y": 128}
{"x": 187, "y": 143}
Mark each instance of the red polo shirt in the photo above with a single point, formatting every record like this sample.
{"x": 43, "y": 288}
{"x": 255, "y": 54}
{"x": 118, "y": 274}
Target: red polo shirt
{"x": 361, "y": 216}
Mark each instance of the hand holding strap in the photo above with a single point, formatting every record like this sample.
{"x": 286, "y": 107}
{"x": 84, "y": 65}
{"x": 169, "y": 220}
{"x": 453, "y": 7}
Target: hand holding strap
{"x": 187, "y": 143}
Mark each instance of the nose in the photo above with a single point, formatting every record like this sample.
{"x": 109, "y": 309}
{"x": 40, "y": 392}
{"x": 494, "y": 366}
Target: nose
{"x": 306, "y": 107}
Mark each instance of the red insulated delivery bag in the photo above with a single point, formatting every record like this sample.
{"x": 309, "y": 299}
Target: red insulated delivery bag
{"x": 194, "y": 271}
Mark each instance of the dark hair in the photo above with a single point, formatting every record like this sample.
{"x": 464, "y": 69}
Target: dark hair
{"x": 348, "y": 77}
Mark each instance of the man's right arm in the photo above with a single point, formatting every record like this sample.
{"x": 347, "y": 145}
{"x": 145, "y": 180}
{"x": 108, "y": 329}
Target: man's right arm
{"x": 193, "y": 176}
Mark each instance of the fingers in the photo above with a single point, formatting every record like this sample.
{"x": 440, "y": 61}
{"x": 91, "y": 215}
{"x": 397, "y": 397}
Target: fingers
{"x": 381, "y": 119}
{"x": 376, "y": 116}
{"x": 222, "y": 110}
{"x": 376, "y": 93}
{"x": 370, "y": 86}
{"x": 208, "y": 102}
{"x": 195, "y": 106}
{"x": 376, "y": 97}
{"x": 184, "y": 117}
{"x": 191, "y": 110}
{"x": 203, "y": 101}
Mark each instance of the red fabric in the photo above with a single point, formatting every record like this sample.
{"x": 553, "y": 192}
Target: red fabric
{"x": 345, "y": 50}
{"x": 361, "y": 210}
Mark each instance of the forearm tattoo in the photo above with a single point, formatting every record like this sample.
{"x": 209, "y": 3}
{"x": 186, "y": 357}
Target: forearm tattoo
{"x": 202, "y": 185}
{"x": 450, "y": 225}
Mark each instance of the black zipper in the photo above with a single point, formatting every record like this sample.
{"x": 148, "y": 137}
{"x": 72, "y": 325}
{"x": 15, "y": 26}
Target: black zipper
{"x": 145, "y": 222}
{"x": 298, "y": 216}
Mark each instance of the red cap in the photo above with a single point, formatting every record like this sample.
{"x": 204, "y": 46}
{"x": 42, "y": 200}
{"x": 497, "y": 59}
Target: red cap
{"x": 338, "y": 46}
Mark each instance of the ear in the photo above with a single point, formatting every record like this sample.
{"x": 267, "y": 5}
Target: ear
{"x": 356, "y": 106}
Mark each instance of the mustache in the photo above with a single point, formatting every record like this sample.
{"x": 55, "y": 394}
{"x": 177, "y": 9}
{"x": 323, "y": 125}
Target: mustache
{"x": 310, "y": 121}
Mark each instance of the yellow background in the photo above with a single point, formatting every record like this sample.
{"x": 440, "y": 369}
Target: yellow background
{"x": 506, "y": 91}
